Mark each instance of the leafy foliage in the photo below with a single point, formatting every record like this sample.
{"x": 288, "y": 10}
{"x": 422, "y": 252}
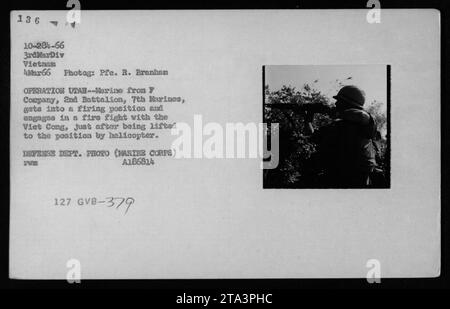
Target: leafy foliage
{"x": 375, "y": 109}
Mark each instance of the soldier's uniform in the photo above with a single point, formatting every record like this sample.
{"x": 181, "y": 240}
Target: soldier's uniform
{"x": 346, "y": 149}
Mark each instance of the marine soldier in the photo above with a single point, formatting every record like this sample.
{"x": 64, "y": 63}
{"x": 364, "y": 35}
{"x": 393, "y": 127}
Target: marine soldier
{"x": 346, "y": 148}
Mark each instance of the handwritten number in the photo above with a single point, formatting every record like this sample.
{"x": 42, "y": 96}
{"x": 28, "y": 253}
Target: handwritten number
{"x": 121, "y": 202}
{"x": 129, "y": 201}
{"x": 117, "y": 202}
{"x": 110, "y": 201}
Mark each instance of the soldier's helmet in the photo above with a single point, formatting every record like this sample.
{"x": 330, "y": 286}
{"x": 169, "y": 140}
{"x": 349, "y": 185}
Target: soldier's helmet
{"x": 351, "y": 95}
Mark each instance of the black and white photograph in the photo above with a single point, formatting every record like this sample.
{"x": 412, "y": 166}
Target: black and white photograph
{"x": 333, "y": 126}
{"x": 224, "y": 154}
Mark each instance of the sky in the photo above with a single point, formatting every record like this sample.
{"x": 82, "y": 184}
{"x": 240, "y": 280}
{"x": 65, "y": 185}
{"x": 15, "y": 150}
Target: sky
{"x": 370, "y": 78}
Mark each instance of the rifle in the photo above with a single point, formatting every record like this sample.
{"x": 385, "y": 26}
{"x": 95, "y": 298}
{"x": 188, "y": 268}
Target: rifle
{"x": 306, "y": 109}
{"x": 298, "y": 107}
